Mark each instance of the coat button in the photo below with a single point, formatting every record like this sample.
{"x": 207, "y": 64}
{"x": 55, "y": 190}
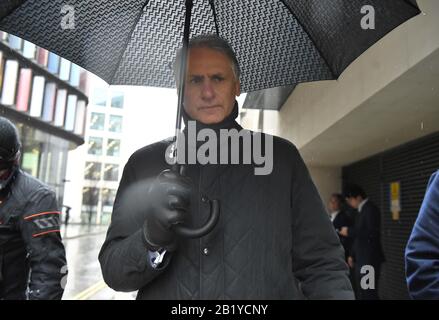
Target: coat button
{"x": 206, "y": 251}
{"x": 204, "y": 198}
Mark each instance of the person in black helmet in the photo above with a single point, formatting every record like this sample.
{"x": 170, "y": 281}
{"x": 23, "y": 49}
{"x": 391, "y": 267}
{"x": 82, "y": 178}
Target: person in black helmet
{"x": 32, "y": 256}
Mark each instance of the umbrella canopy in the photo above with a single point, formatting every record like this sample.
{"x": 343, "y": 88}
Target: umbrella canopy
{"x": 268, "y": 99}
{"x": 278, "y": 43}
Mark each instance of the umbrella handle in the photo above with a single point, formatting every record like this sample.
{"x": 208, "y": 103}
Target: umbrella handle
{"x": 206, "y": 228}
{"x": 211, "y": 221}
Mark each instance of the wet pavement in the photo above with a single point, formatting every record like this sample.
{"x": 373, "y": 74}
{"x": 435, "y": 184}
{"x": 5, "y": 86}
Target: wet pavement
{"x": 84, "y": 280}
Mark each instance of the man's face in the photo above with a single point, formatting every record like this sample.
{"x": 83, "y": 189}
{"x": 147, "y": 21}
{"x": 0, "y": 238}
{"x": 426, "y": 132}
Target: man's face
{"x": 333, "y": 204}
{"x": 354, "y": 202}
{"x": 211, "y": 87}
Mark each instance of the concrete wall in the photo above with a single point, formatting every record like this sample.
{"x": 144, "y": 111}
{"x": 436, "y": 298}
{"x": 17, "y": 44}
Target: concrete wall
{"x": 327, "y": 180}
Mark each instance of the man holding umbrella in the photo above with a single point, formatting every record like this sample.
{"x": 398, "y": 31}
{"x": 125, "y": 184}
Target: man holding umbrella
{"x": 273, "y": 238}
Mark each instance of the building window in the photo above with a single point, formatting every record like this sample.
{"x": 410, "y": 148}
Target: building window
{"x": 99, "y": 97}
{"x": 113, "y": 147}
{"x": 92, "y": 171}
{"x": 90, "y": 196}
{"x": 111, "y": 172}
{"x": 108, "y": 196}
{"x": 117, "y": 100}
{"x": 115, "y": 123}
{"x": 31, "y": 156}
{"x": 97, "y": 121}
{"x": 95, "y": 146}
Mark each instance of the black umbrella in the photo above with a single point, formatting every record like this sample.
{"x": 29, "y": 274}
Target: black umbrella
{"x": 277, "y": 42}
{"x": 268, "y": 99}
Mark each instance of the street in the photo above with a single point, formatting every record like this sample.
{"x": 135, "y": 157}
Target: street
{"x": 84, "y": 281}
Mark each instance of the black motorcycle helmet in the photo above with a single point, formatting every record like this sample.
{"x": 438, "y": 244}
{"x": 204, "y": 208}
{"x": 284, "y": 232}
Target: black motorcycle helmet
{"x": 9, "y": 150}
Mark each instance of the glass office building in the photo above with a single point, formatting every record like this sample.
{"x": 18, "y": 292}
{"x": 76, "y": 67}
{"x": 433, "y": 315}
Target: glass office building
{"x": 43, "y": 95}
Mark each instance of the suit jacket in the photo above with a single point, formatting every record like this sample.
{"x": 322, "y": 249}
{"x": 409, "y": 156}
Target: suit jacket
{"x": 342, "y": 220}
{"x": 367, "y": 249}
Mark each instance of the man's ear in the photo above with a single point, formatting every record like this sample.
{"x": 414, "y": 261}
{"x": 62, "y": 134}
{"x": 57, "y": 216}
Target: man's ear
{"x": 237, "y": 88}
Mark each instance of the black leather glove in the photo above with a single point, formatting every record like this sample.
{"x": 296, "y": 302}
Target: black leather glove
{"x": 168, "y": 205}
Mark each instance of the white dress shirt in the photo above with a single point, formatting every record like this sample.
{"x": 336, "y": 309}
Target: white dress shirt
{"x": 334, "y": 215}
{"x": 361, "y": 205}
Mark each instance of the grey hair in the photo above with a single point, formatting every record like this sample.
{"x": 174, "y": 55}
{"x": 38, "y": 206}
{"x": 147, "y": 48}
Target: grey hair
{"x": 211, "y": 41}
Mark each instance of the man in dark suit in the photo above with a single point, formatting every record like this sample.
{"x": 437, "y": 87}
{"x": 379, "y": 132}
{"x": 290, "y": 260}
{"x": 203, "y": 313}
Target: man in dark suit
{"x": 366, "y": 250}
{"x": 339, "y": 220}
